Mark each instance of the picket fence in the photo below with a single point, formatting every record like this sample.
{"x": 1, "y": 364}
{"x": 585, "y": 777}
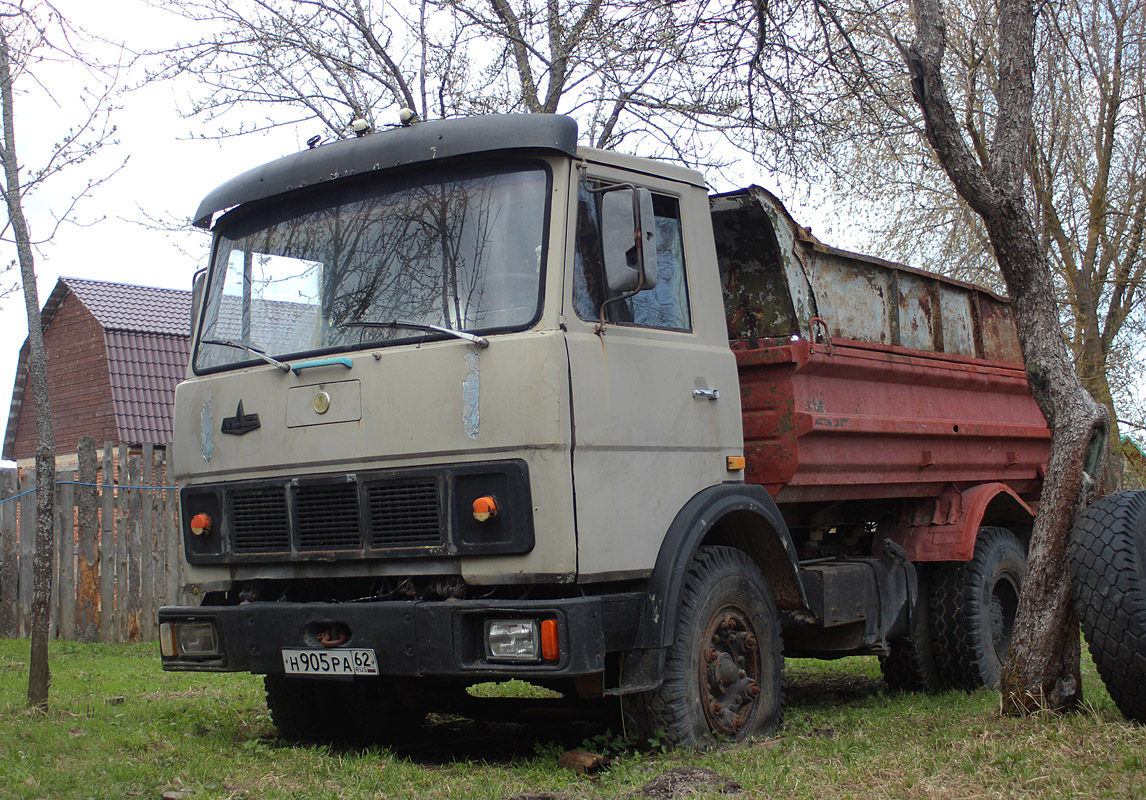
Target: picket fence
{"x": 117, "y": 544}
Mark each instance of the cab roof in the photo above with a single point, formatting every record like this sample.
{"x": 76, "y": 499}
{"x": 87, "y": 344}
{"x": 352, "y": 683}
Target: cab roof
{"x": 421, "y": 142}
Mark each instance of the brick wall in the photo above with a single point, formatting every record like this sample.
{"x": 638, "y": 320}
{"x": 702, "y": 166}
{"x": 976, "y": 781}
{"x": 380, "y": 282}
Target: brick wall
{"x": 78, "y": 384}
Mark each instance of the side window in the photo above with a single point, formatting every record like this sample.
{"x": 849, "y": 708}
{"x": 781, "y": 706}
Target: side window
{"x": 663, "y": 306}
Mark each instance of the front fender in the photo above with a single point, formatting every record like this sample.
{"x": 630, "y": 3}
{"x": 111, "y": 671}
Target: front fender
{"x": 738, "y": 515}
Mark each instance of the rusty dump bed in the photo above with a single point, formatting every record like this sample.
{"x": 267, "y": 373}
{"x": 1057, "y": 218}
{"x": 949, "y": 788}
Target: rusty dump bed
{"x": 863, "y": 379}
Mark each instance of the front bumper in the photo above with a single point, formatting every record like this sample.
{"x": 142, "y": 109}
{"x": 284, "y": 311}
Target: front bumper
{"x": 411, "y": 638}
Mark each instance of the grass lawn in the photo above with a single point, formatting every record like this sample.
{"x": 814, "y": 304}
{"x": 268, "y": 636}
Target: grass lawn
{"x": 120, "y": 727}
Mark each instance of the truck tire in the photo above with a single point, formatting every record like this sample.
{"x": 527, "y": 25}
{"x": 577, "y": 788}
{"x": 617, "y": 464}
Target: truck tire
{"x": 909, "y": 666}
{"x": 973, "y": 608}
{"x": 723, "y": 674}
{"x": 1108, "y": 578}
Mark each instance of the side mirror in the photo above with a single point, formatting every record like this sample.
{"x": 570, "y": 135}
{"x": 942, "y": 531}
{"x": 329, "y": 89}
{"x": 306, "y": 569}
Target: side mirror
{"x": 198, "y": 285}
{"x": 629, "y": 237}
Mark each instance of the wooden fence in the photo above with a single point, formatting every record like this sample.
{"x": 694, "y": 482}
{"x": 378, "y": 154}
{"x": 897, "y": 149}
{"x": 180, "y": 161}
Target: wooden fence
{"x": 117, "y": 544}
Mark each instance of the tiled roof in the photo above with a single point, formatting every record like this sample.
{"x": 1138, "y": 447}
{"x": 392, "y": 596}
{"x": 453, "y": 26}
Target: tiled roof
{"x": 143, "y": 309}
{"x": 145, "y": 369}
{"x": 147, "y": 332}
{"x": 148, "y": 336}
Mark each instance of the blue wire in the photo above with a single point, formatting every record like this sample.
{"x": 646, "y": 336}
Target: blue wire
{"x": 95, "y": 485}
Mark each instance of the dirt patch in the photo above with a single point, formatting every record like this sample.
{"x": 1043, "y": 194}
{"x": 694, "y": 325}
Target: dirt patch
{"x": 685, "y": 781}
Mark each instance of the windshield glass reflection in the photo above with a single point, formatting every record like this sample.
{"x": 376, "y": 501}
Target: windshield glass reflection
{"x": 460, "y": 250}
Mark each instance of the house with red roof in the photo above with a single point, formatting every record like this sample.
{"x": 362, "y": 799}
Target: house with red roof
{"x": 115, "y": 355}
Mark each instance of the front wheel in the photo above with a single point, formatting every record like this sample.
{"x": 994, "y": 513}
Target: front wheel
{"x": 723, "y": 676}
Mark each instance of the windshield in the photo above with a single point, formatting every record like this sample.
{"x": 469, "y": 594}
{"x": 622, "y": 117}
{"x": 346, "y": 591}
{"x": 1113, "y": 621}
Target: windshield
{"x": 458, "y": 249}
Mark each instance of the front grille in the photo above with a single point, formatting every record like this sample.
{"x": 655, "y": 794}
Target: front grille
{"x": 328, "y": 517}
{"x": 405, "y": 514}
{"x": 373, "y": 515}
{"x": 259, "y": 522}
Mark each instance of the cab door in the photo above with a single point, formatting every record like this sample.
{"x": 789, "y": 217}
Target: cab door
{"x": 656, "y": 408}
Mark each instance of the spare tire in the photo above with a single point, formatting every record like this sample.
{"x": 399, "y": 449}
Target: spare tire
{"x": 1108, "y": 578}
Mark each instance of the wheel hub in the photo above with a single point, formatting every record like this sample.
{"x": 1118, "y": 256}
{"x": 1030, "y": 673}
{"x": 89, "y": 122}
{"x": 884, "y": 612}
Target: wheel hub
{"x": 1004, "y": 605}
{"x": 729, "y": 671}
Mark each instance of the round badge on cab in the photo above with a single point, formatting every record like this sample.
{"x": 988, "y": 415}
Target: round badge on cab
{"x": 322, "y": 402}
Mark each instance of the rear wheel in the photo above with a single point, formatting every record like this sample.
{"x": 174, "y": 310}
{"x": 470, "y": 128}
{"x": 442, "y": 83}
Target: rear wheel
{"x": 973, "y": 610}
{"x": 1108, "y": 576}
{"x": 723, "y": 674}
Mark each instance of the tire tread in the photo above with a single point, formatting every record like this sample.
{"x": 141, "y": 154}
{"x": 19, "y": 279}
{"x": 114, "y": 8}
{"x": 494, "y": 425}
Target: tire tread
{"x": 963, "y": 655}
{"x": 1106, "y": 558}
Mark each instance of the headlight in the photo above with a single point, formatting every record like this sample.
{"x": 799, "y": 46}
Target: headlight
{"x": 188, "y": 639}
{"x": 512, "y": 640}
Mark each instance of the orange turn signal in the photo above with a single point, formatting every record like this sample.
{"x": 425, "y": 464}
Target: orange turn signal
{"x": 485, "y": 508}
{"x": 550, "y": 648}
{"x": 201, "y": 524}
{"x": 736, "y": 463}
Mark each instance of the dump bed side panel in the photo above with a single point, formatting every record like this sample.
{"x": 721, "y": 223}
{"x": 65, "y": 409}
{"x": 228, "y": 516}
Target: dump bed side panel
{"x": 858, "y": 422}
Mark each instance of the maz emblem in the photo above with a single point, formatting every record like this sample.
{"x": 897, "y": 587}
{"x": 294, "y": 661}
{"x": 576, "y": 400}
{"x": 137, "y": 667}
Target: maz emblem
{"x": 241, "y": 423}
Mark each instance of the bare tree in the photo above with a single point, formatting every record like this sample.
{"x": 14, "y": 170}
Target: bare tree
{"x": 27, "y": 37}
{"x": 622, "y": 67}
{"x": 1085, "y": 188}
{"x": 1043, "y": 665}
{"x": 822, "y": 90}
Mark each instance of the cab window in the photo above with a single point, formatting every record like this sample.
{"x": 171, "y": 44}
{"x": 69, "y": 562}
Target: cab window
{"x": 663, "y": 306}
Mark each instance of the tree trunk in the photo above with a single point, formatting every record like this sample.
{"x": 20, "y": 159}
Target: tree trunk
{"x": 1042, "y": 669}
{"x": 44, "y": 557}
{"x": 1092, "y": 373}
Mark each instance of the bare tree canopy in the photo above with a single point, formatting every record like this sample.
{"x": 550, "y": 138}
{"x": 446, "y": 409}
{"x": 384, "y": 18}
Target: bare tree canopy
{"x": 1084, "y": 187}
{"x": 622, "y": 67}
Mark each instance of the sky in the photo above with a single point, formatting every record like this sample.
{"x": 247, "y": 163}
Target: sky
{"x": 171, "y": 164}
{"x": 169, "y": 168}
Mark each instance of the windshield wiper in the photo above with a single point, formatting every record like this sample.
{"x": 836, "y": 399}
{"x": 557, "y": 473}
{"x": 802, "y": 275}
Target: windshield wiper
{"x": 253, "y": 350}
{"x": 480, "y": 341}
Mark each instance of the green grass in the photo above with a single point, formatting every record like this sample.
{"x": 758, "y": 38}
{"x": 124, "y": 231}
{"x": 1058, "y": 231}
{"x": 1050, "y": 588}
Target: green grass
{"x": 120, "y": 727}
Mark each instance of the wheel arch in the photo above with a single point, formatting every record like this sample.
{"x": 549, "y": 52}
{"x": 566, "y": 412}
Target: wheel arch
{"x": 953, "y": 539}
{"x": 1005, "y": 509}
{"x": 741, "y": 516}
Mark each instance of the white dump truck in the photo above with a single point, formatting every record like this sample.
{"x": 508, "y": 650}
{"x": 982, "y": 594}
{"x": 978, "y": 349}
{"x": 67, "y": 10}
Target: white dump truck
{"x": 469, "y": 402}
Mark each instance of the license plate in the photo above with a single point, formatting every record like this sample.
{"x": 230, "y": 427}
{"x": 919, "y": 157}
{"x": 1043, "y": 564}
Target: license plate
{"x": 348, "y": 661}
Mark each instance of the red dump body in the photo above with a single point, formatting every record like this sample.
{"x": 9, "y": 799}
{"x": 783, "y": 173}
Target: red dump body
{"x": 863, "y": 380}
{"x": 859, "y": 421}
